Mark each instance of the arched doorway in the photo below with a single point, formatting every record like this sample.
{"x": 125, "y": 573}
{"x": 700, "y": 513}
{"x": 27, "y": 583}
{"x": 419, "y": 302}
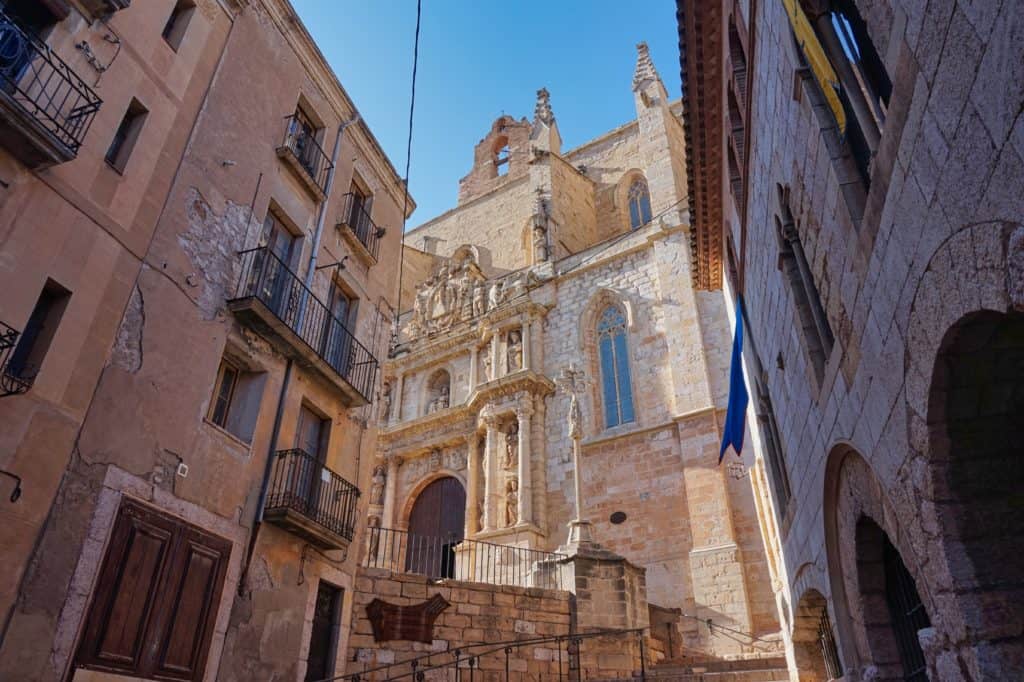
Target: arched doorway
{"x": 976, "y": 431}
{"x": 436, "y": 524}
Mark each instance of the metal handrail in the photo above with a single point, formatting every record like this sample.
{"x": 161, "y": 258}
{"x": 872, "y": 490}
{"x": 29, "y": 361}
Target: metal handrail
{"x": 357, "y": 219}
{"x": 300, "y": 482}
{"x": 267, "y": 278}
{"x": 307, "y": 150}
{"x": 13, "y": 381}
{"x": 420, "y": 665}
{"x": 452, "y": 557}
{"x": 44, "y": 85}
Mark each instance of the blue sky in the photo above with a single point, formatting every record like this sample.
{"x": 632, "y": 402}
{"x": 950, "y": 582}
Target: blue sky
{"x": 479, "y": 59}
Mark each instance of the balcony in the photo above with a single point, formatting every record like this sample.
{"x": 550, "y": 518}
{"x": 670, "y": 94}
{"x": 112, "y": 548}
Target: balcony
{"x": 276, "y": 303}
{"x": 359, "y": 230}
{"x": 15, "y": 376}
{"x": 306, "y": 498}
{"x": 304, "y": 156}
{"x": 45, "y": 108}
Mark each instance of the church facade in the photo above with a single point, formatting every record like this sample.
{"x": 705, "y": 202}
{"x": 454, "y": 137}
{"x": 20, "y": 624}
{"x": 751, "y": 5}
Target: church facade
{"x": 562, "y": 267}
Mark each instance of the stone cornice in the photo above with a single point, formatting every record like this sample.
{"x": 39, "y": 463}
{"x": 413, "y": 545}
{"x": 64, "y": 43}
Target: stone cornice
{"x": 452, "y": 341}
{"x": 463, "y": 418}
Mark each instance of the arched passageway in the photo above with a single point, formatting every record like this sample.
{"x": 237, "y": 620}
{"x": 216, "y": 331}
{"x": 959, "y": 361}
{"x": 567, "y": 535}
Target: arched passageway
{"x": 436, "y": 525}
{"x": 976, "y": 442}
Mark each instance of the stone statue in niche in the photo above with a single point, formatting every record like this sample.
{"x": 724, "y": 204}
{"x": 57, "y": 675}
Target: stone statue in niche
{"x": 515, "y": 350}
{"x": 511, "y": 502}
{"x": 380, "y": 478}
{"x": 486, "y": 358}
{"x": 435, "y": 459}
{"x": 540, "y": 232}
{"x": 374, "y": 525}
{"x": 440, "y": 401}
{"x": 385, "y": 402}
{"x": 511, "y": 447}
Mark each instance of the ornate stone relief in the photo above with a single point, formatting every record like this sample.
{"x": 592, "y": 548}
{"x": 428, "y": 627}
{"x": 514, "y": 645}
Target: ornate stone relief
{"x": 451, "y": 459}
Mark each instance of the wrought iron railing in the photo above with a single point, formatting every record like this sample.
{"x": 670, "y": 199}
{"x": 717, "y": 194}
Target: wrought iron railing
{"x": 14, "y": 379}
{"x": 357, "y": 219}
{"x": 266, "y": 278}
{"x": 452, "y": 557}
{"x": 829, "y": 652}
{"x": 565, "y": 657}
{"x": 44, "y": 86}
{"x": 302, "y": 143}
{"x": 303, "y": 484}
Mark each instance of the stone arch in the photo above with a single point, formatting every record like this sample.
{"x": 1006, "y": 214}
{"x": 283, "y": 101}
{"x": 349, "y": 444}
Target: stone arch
{"x": 588, "y": 345}
{"x": 814, "y": 648}
{"x": 859, "y": 522}
{"x": 975, "y": 422}
{"x": 419, "y": 486}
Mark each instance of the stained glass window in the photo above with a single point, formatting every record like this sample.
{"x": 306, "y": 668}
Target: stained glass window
{"x": 639, "y": 204}
{"x": 616, "y": 387}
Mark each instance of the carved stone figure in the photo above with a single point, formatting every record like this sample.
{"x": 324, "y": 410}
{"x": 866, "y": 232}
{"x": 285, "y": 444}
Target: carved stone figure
{"x": 380, "y": 477}
{"x": 494, "y": 296}
{"x": 479, "y": 298}
{"x": 374, "y": 524}
{"x": 540, "y": 242}
{"x": 435, "y": 459}
{"x": 511, "y": 502}
{"x": 385, "y": 402}
{"x": 511, "y": 447}
{"x": 487, "y": 364}
{"x": 515, "y": 350}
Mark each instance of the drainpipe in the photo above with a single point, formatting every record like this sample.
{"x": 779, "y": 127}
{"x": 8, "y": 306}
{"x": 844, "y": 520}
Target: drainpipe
{"x": 262, "y": 500}
{"x": 322, "y": 215}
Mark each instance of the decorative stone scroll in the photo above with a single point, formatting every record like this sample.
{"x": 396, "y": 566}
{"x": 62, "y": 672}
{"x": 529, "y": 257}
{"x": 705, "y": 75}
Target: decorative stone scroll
{"x": 410, "y": 623}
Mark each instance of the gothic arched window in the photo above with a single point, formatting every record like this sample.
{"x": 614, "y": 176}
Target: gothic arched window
{"x": 639, "y": 204}
{"x": 616, "y": 387}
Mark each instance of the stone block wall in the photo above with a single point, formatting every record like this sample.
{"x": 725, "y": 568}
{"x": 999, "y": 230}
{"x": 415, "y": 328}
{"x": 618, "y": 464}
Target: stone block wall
{"x": 478, "y": 613}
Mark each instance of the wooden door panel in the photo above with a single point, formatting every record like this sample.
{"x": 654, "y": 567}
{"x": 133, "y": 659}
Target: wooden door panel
{"x": 127, "y": 585}
{"x": 192, "y": 582}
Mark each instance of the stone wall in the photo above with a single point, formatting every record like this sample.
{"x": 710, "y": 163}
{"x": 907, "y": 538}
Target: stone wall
{"x": 477, "y": 613}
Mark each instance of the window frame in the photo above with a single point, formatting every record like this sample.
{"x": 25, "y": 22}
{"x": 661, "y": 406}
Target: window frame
{"x": 126, "y": 136}
{"x": 177, "y": 24}
{"x": 36, "y": 339}
{"x": 641, "y": 200}
{"x": 620, "y": 378}
{"x": 225, "y": 366}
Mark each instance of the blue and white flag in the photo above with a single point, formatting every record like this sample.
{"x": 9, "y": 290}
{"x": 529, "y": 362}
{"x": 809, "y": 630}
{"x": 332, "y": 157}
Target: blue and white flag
{"x": 735, "y": 416}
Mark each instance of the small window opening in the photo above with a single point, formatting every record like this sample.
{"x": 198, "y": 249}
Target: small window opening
{"x": 35, "y": 340}
{"x": 236, "y": 400}
{"x": 639, "y": 204}
{"x": 126, "y": 136}
{"x": 177, "y": 23}
{"x": 502, "y": 157}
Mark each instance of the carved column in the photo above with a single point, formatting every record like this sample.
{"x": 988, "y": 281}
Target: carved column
{"x": 527, "y": 343}
{"x": 525, "y": 507}
{"x": 473, "y": 484}
{"x": 473, "y": 363}
{"x": 495, "y": 355}
{"x": 391, "y": 490}
{"x": 490, "y": 469}
{"x": 396, "y": 400}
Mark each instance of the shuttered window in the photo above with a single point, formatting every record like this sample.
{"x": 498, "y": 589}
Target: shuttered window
{"x": 154, "y": 607}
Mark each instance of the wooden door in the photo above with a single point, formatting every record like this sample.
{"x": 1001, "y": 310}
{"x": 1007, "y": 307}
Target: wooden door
{"x": 323, "y": 639}
{"x": 155, "y": 603}
{"x": 436, "y": 525}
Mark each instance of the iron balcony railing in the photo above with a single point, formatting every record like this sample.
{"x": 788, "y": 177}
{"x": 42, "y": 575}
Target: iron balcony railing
{"x": 301, "y": 483}
{"x": 456, "y": 558}
{"x": 265, "y": 277}
{"x": 44, "y": 86}
{"x": 357, "y": 220}
{"x": 302, "y": 143}
{"x": 15, "y": 377}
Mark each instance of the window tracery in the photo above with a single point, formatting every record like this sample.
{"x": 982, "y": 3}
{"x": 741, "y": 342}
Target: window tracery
{"x": 616, "y": 384}
{"x": 639, "y": 198}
